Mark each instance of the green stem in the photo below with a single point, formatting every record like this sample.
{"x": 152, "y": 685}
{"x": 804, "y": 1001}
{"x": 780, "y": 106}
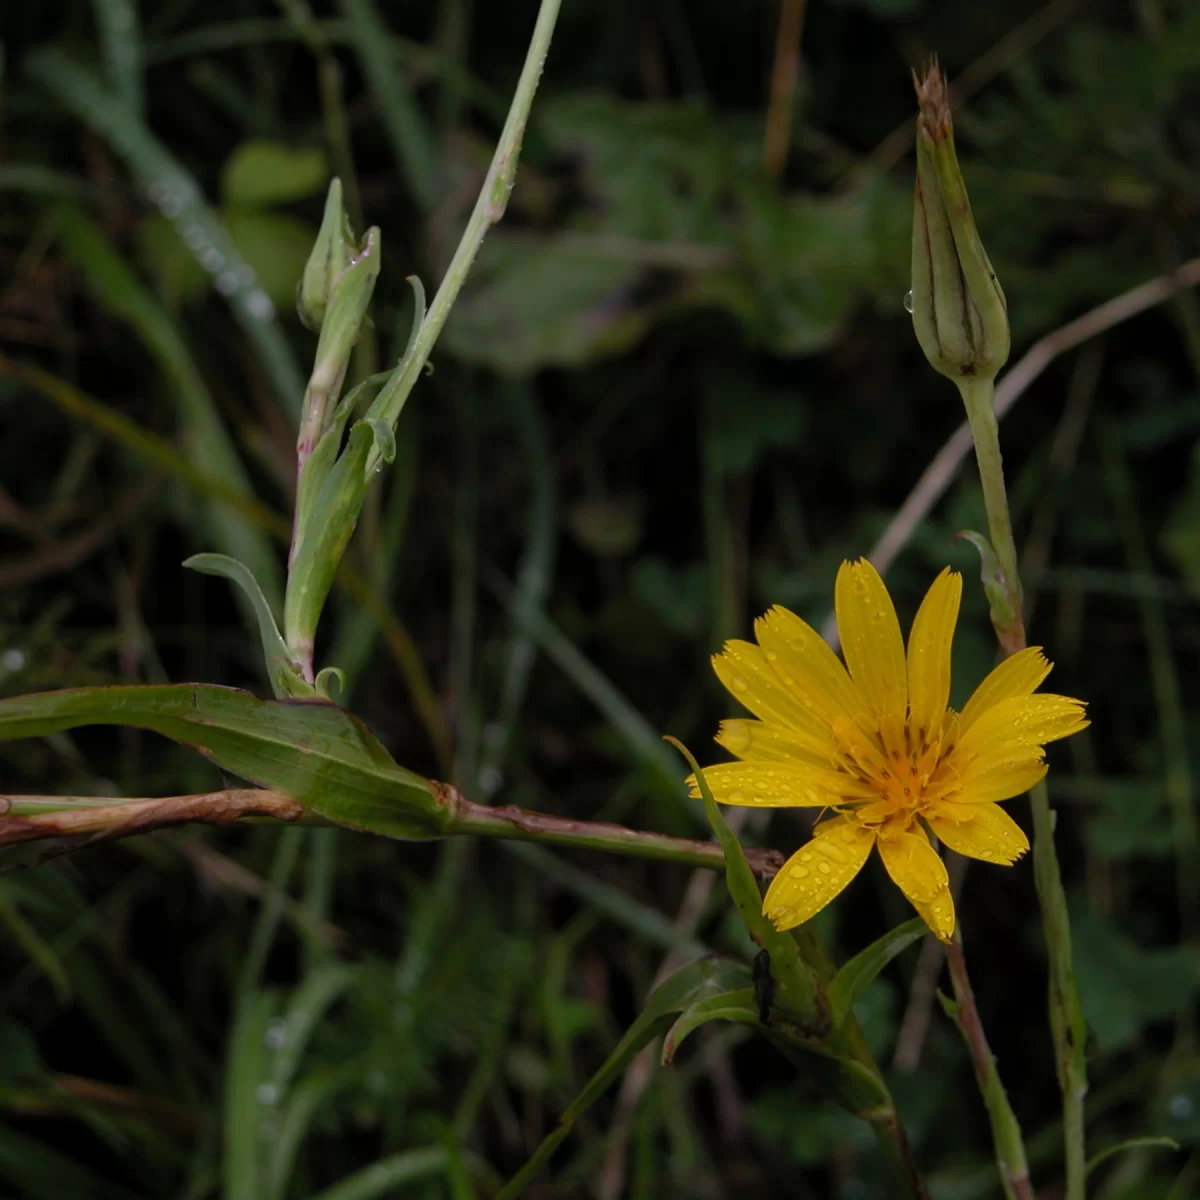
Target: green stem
{"x": 488, "y": 210}
{"x": 1006, "y": 1132}
{"x": 480, "y": 820}
{"x": 1066, "y": 1017}
{"x": 978, "y": 397}
{"x": 39, "y": 818}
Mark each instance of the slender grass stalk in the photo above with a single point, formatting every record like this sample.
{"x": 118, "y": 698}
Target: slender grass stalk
{"x": 489, "y": 209}
{"x": 1066, "y": 1017}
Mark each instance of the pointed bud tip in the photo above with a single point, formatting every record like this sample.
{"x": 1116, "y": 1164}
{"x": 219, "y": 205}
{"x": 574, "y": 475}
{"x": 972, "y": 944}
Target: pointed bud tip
{"x": 933, "y": 101}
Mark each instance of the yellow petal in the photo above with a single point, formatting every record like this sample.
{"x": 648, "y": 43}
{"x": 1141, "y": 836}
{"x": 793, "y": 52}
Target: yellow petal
{"x": 775, "y": 785}
{"x": 929, "y": 654}
{"x": 918, "y": 871}
{"x": 1020, "y": 675}
{"x": 804, "y": 661}
{"x": 759, "y": 741}
{"x": 871, "y": 641}
{"x": 982, "y": 831}
{"x": 999, "y": 774}
{"x": 817, "y": 872}
{"x": 1024, "y": 721}
{"x": 743, "y": 669}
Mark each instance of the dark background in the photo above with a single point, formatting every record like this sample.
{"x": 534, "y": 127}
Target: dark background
{"x": 680, "y": 386}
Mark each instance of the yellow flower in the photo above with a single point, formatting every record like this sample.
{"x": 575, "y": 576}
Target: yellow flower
{"x": 879, "y": 746}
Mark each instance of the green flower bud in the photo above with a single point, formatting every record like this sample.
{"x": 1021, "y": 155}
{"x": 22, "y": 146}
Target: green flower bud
{"x": 958, "y": 308}
{"x": 333, "y": 249}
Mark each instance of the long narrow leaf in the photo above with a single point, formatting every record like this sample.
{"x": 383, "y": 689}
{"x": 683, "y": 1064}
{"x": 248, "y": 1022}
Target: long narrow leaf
{"x": 689, "y": 985}
{"x": 206, "y": 440}
{"x": 180, "y": 199}
{"x": 854, "y": 977}
{"x": 315, "y": 752}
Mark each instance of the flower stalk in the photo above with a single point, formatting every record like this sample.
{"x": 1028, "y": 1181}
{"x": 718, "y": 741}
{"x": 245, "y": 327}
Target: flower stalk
{"x": 964, "y": 334}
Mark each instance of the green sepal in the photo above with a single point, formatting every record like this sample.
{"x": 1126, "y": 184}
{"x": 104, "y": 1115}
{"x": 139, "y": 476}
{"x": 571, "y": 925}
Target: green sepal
{"x": 349, "y": 298}
{"x": 739, "y": 1006}
{"x": 855, "y": 975}
{"x": 797, "y": 992}
{"x": 282, "y": 669}
{"x": 326, "y": 532}
{"x": 328, "y": 259}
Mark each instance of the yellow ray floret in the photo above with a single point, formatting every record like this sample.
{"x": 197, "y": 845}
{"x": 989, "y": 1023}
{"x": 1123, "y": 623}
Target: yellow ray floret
{"x": 876, "y": 743}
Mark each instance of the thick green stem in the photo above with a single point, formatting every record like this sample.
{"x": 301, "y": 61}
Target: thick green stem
{"x": 1066, "y": 1017}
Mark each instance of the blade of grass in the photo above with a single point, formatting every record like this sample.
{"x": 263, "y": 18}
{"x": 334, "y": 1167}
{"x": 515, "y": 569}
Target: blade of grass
{"x": 638, "y": 734}
{"x": 181, "y": 200}
{"x": 383, "y": 1176}
{"x": 534, "y": 576}
{"x": 121, "y": 43}
{"x": 206, "y": 439}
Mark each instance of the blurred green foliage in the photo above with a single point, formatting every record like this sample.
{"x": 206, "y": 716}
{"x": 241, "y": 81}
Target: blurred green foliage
{"x": 678, "y": 388}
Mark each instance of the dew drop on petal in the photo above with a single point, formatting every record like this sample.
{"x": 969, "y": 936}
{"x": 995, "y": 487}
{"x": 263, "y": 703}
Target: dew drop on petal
{"x": 737, "y": 797}
{"x": 824, "y": 868}
{"x": 799, "y": 872}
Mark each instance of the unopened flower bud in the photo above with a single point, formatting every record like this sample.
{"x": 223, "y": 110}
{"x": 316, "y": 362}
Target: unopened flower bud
{"x": 332, "y": 251}
{"x": 958, "y": 308}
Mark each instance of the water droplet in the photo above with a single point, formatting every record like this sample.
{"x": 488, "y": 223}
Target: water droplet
{"x": 226, "y": 283}
{"x": 210, "y": 258}
{"x": 259, "y": 306}
{"x": 739, "y": 684}
{"x": 908, "y": 302}
{"x": 824, "y": 868}
{"x": 757, "y": 800}
{"x": 276, "y": 1033}
{"x": 737, "y": 797}
{"x": 1180, "y": 1107}
{"x": 799, "y": 872}
{"x": 13, "y": 659}
{"x": 806, "y": 856}
{"x": 266, "y": 1094}
{"x": 772, "y": 656}
{"x": 490, "y": 779}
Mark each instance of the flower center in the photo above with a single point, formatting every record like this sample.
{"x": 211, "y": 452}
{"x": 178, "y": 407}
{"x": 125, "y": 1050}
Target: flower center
{"x": 897, "y": 774}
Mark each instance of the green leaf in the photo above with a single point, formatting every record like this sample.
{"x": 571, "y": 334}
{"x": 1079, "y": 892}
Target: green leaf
{"x": 796, "y": 989}
{"x": 275, "y": 247}
{"x": 244, "y": 1113}
{"x": 739, "y": 1005}
{"x": 260, "y": 173}
{"x": 206, "y": 439}
{"x": 326, "y": 529}
{"x": 691, "y": 984}
{"x": 311, "y": 750}
{"x": 533, "y": 303}
{"x": 1133, "y": 1143}
{"x": 1123, "y": 986}
{"x": 995, "y": 586}
{"x": 855, "y": 976}
{"x": 282, "y": 670}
